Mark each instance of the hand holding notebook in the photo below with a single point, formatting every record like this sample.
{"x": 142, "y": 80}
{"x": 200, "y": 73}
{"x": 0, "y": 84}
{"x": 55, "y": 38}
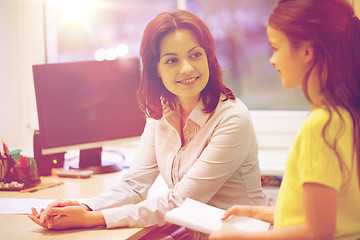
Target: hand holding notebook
{"x": 206, "y": 219}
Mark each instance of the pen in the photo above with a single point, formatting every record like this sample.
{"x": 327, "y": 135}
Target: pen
{"x": 5, "y": 151}
{"x": 34, "y": 189}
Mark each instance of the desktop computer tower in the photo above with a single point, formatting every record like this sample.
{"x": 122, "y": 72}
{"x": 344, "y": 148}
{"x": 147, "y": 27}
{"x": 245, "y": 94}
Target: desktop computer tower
{"x": 45, "y": 163}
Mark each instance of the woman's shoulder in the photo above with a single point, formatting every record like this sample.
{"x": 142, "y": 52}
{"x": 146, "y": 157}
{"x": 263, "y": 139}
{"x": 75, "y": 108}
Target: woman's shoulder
{"x": 320, "y": 117}
{"x": 232, "y": 111}
{"x": 233, "y": 106}
{"x": 317, "y": 116}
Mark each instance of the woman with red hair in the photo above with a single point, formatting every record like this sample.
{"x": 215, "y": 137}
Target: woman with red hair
{"x": 198, "y": 136}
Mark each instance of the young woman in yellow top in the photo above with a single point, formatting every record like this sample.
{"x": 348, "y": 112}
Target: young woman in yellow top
{"x": 316, "y": 45}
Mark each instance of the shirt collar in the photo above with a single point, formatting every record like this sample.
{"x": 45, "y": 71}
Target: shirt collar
{"x": 197, "y": 115}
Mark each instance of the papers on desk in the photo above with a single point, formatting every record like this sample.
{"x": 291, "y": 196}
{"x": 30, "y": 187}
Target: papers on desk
{"x": 24, "y": 205}
{"x": 206, "y": 219}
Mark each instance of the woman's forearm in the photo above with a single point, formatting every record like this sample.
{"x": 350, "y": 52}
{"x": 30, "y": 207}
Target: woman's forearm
{"x": 265, "y": 213}
{"x": 95, "y": 219}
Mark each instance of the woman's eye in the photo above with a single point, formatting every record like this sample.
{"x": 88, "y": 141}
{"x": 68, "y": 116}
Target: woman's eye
{"x": 171, "y": 61}
{"x": 196, "y": 55}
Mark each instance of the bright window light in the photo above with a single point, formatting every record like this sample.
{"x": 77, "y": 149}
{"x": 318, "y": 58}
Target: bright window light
{"x": 100, "y": 54}
{"x": 111, "y": 54}
{"x": 122, "y": 49}
{"x": 75, "y": 9}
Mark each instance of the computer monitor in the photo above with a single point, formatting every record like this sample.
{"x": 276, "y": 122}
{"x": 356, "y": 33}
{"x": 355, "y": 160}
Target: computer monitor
{"x": 86, "y": 105}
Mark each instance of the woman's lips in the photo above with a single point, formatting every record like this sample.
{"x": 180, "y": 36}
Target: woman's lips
{"x": 188, "y": 81}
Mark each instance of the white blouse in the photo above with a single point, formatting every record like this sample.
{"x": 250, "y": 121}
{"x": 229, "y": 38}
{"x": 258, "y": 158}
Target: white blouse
{"x": 218, "y": 165}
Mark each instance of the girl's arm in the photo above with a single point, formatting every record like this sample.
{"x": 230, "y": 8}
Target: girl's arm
{"x": 263, "y": 213}
{"x": 320, "y": 204}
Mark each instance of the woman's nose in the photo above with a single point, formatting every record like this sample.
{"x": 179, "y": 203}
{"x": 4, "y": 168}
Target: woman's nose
{"x": 271, "y": 60}
{"x": 186, "y": 67}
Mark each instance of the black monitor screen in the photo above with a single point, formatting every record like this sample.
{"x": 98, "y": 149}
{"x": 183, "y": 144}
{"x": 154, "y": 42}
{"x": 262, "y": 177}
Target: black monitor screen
{"x": 84, "y": 105}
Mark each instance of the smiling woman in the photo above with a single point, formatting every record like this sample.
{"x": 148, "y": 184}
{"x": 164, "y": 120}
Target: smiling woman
{"x": 198, "y": 136}
{"x": 183, "y": 67}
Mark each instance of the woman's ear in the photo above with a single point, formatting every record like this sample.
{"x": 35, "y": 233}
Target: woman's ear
{"x": 308, "y": 51}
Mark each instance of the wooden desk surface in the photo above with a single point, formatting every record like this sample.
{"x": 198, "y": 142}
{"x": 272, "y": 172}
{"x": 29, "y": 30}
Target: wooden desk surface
{"x": 15, "y": 227}
{"x": 20, "y": 227}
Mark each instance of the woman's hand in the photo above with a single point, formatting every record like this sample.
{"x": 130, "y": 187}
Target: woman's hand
{"x": 68, "y": 217}
{"x": 35, "y": 217}
{"x": 45, "y": 217}
{"x": 228, "y": 232}
{"x": 42, "y": 217}
{"x": 65, "y": 214}
{"x": 263, "y": 213}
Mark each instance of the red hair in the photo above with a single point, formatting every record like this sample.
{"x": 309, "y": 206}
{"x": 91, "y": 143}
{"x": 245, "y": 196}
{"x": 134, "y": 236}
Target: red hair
{"x": 152, "y": 94}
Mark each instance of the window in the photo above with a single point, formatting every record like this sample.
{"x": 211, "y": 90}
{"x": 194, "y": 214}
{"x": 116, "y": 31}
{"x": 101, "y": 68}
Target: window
{"x": 107, "y": 29}
{"x": 239, "y": 30}
{"x": 79, "y": 30}
{"x": 243, "y": 50}
{"x": 89, "y": 29}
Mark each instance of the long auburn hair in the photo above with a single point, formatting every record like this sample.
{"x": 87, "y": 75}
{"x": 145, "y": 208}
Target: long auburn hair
{"x": 152, "y": 94}
{"x": 334, "y": 32}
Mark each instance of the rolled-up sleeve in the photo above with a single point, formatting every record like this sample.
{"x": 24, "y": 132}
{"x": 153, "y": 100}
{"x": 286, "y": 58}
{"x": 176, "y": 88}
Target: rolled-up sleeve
{"x": 133, "y": 187}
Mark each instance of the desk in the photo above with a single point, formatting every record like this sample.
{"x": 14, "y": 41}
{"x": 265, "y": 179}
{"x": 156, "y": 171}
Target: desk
{"x": 15, "y": 227}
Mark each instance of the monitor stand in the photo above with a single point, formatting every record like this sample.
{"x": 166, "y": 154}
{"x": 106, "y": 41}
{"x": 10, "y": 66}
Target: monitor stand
{"x": 90, "y": 159}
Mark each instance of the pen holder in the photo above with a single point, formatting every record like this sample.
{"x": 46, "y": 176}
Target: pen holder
{"x": 19, "y": 171}
{"x": 28, "y": 174}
